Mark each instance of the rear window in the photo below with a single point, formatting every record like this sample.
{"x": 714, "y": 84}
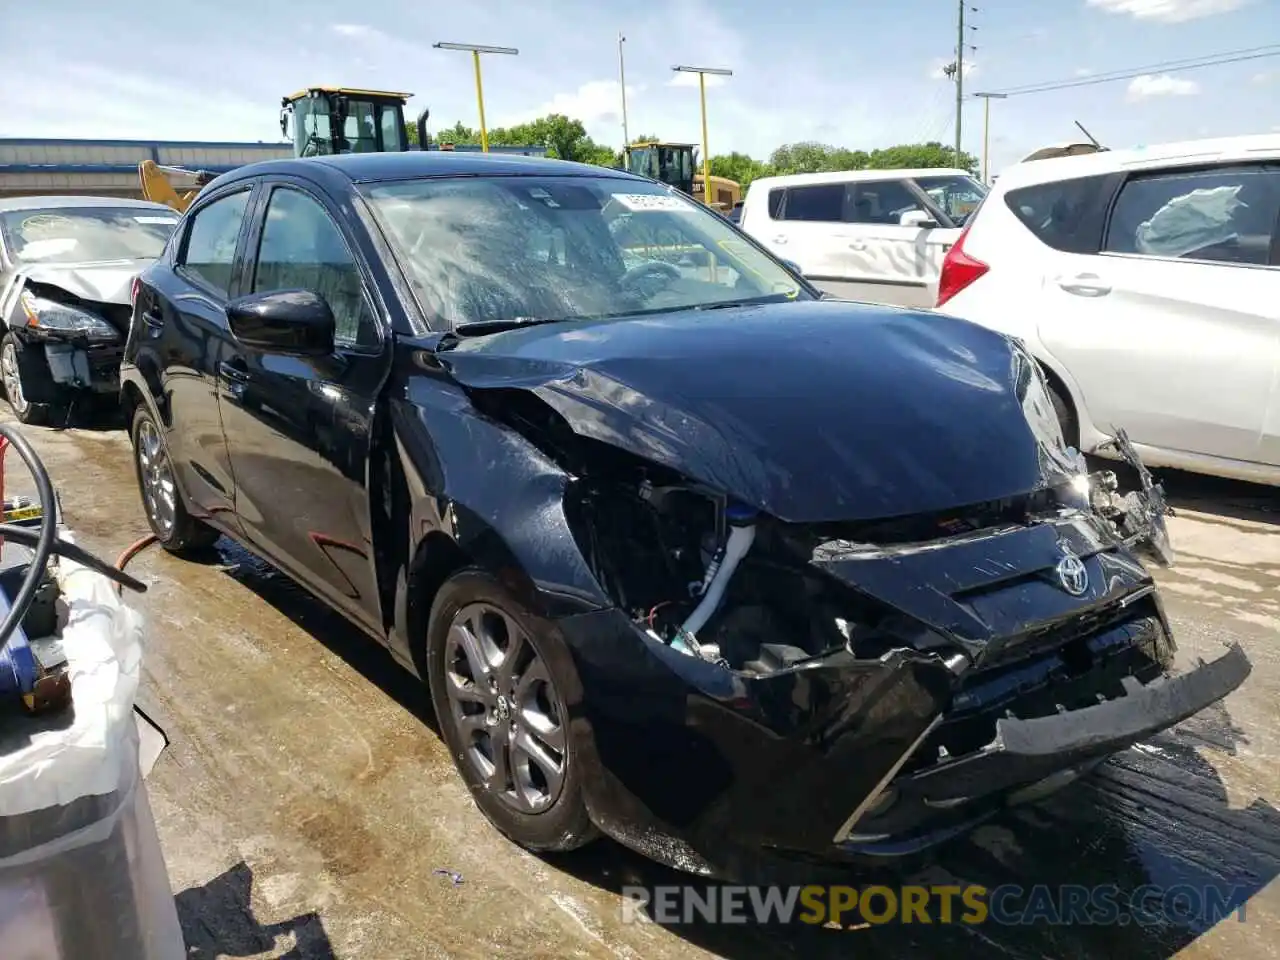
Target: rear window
{"x": 1065, "y": 215}
{"x": 85, "y": 234}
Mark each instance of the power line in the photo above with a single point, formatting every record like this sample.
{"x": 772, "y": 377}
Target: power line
{"x": 1195, "y": 63}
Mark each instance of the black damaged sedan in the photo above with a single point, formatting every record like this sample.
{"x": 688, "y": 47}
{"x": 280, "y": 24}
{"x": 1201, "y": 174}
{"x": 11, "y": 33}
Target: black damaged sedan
{"x": 686, "y": 553}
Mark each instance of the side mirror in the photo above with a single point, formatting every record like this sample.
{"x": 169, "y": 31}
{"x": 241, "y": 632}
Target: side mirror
{"x": 793, "y": 267}
{"x": 295, "y": 323}
{"x": 917, "y": 218}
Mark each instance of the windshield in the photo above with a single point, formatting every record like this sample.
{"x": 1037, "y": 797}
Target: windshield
{"x": 492, "y": 250}
{"x": 86, "y": 234}
{"x": 956, "y": 196}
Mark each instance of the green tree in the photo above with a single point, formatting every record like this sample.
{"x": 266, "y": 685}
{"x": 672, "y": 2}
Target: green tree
{"x": 738, "y": 166}
{"x": 931, "y": 154}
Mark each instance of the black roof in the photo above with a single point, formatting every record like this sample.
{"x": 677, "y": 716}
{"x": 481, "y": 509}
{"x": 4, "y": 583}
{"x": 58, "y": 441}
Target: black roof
{"x": 411, "y": 164}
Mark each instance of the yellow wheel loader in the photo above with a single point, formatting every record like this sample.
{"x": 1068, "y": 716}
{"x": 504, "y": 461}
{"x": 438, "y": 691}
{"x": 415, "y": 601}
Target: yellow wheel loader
{"x": 319, "y": 121}
{"x": 672, "y": 164}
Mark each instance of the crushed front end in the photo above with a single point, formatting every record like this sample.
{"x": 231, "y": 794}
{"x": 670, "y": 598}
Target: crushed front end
{"x": 82, "y": 340}
{"x": 870, "y": 688}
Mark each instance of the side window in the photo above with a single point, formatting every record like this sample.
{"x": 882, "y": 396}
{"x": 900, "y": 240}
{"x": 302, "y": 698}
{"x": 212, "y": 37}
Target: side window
{"x": 1062, "y": 215}
{"x": 823, "y": 202}
{"x": 880, "y": 201}
{"x": 211, "y": 241}
{"x": 1227, "y": 214}
{"x": 776, "y": 196}
{"x": 303, "y": 249}
{"x": 390, "y": 123}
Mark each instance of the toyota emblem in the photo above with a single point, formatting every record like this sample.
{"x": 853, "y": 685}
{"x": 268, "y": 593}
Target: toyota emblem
{"x": 1071, "y": 571}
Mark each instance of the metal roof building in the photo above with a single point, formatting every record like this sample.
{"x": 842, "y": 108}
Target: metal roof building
{"x": 110, "y": 167}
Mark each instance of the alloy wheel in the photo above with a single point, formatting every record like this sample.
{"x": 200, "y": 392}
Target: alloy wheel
{"x": 508, "y": 713}
{"x": 159, "y": 493}
{"x": 12, "y": 378}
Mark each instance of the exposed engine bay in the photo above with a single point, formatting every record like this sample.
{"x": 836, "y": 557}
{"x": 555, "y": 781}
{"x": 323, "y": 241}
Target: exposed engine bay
{"x": 720, "y": 581}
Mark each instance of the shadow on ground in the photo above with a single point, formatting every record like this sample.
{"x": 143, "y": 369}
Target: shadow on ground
{"x": 1150, "y": 838}
{"x": 1234, "y": 499}
{"x": 218, "y": 922}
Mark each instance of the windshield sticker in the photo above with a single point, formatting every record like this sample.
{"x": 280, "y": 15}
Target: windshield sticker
{"x": 168, "y": 220}
{"x": 646, "y": 201}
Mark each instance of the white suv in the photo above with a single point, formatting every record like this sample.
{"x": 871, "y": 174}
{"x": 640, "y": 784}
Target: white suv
{"x": 1147, "y": 283}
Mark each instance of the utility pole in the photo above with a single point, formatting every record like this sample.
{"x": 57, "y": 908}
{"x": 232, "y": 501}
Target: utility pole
{"x": 622, "y": 81}
{"x": 986, "y": 99}
{"x": 959, "y": 78}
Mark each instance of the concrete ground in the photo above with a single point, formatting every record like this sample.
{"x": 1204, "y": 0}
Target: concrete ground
{"x": 308, "y": 808}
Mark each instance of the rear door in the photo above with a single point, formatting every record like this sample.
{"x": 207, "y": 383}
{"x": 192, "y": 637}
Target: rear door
{"x": 190, "y": 339}
{"x": 1172, "y": 330}
{"x": 299, "y": 429}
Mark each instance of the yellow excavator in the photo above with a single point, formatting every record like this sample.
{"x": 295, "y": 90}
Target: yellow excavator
{"x": 672, "y": 164}
{"x": 318, "y": 121}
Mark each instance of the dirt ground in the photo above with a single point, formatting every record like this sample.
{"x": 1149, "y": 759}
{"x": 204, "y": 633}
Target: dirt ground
{"x": 308, "y": 808}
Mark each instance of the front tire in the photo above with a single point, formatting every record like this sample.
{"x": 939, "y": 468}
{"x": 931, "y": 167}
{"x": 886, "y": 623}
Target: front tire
{"x": 30, "y": 390}
{"x": 174, "y": 528}
{"x": 500, "y": 683}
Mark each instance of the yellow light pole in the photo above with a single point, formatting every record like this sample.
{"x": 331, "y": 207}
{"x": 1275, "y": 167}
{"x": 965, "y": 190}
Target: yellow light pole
{"x": 475, "y": 50}
{"x": 702, "y": 94}
{"x": 986, "y": 99}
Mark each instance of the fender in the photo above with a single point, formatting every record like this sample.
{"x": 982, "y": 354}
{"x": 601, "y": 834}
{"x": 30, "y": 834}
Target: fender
{"x": 492, "y": 496}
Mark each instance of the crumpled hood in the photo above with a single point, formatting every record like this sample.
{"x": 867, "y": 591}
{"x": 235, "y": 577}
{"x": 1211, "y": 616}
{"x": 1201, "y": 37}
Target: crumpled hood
{"x": 106, "y": 282}
{"x": 810, "y": 411}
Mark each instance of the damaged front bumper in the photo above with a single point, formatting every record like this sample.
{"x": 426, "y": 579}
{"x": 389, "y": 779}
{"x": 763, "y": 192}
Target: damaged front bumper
{"x": 708, "y": 769}
{"x": 77, "y": 362}
{"x": 1029, "y": 758}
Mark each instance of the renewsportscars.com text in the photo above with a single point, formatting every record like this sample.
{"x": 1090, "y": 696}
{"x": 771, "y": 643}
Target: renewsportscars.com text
{"x": 1009, "y": 904}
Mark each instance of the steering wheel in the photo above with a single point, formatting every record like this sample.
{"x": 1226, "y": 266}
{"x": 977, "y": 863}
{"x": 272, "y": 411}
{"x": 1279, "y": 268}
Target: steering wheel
{"x": 650, "y": 268}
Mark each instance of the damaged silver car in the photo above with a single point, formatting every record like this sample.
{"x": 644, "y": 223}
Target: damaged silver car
{"x": 67, "y": 264}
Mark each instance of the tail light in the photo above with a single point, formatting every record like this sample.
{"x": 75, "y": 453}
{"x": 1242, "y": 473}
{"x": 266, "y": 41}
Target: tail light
{"x": 958, "y": 270}
{"x": 133, "y": 291}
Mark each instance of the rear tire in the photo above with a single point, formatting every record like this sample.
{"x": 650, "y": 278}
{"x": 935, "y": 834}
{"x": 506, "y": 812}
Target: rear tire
{"x": 30, "y": 390}
{"x": 499, "y": 684}
{"x": 174, "y": 528}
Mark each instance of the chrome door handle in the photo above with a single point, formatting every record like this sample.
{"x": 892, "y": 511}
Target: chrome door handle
{"x": 858, "y": 245}
{"x": 779, "y": 239}
{"x": 1085, "y": 285}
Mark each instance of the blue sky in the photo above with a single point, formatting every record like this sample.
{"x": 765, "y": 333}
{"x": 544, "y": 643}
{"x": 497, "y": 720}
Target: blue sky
{"x": 856, "y": 74}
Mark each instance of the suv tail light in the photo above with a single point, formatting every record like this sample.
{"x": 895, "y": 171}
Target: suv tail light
{"x": 133, "y": 292}
{"x": 958, "y": 270}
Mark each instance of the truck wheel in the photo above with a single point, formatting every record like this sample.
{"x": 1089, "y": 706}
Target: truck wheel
{"x": 175, "y": 529}
{"x": 31, "y": 392}
{"x": 499, "y": 681}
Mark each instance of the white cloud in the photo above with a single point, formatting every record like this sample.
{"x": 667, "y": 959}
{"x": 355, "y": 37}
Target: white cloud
{"x": 1168, "y": 11}
{"x": 358, "y": 31}
{"x": 1083, "y": 72}
{"x": 683, "y": 79}
{"x": 1266, "y": 76}
{"x": 1150, "y": 85}
{"x": 597, "y": 103}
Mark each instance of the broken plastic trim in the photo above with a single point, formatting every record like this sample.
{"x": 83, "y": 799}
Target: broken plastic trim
{"x": 1139, "y": 515}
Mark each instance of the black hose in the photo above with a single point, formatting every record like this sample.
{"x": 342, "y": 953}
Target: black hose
{"x": 65, "y": 548}
{"x": 44, "y": 542}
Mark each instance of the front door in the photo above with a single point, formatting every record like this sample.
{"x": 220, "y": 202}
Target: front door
{"x": 299, "y": 429}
